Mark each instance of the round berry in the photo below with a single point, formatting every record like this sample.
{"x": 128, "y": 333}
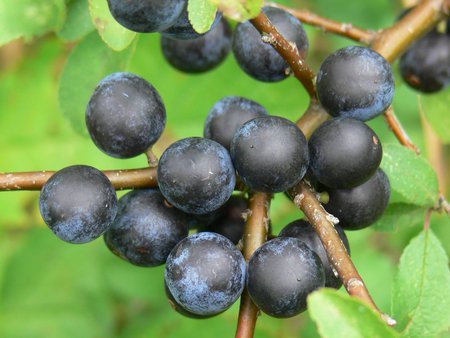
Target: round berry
{"x": 205, "y": 273}
{"x": 125, "y": 115}
{"x": 178, "y": 308}
{"x": 270, "y": 154}
{"x": 201, "y": 54}
{"x": 232, "y": 222}
{"x": 182, "y": 29}
{"x": 228, "y": 115}
{"x": 425, "y": 66}
{"x": 196, "y": 175}
{"x": 344, "y": 153}
{"x": 146, "y": 229}
{"x": 146, "y": 16}
{"x": 78, "y": 203}
{"x": 305, "y": 232}
{"x": 258, "y": 58}
{"x": 281, "y": 274}
{"x": 361, "y": 206}
{"x": 355, "y": 82}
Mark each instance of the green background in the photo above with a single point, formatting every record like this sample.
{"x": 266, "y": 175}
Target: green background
{"x": 52, "y": 289}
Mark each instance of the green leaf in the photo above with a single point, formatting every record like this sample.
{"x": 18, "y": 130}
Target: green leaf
{"x": 89, "y": 62}
{"x": 29, "y": 18}
{"x": 67, "y": 298}
{"x": 411, "y": 176}
{"x": 239, "y": 10}
{"x": 115, "y": 35}
{"x": 201, "y": 14}
{"x": 435, "y": 107}
{"x": 421, "y": 292}
{"x": 78, "y": 22}
{"x": 398, "y": 214}
{"x": 338, "y": 315}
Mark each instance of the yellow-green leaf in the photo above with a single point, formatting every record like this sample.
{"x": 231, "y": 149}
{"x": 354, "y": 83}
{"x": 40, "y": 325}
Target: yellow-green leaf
{"x": 112, "y": 33}
{"x": 239, "y": 10}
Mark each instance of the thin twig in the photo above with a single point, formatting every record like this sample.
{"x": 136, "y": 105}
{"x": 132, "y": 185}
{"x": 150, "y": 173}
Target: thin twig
{"x": 305, "y": 199}
{"x": 398, "y": 130}
{"x": 151, "y": 158}
{"x": 255, "y": 234}
{"x": 288, "y": 51}
{"x": 121, "y": 179}
{"x": 340, "y": 28}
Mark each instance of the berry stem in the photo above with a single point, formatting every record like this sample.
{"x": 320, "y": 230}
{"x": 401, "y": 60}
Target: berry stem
{"x": 151, "y": 158}
{"x": 288, "y": 51}
{"x": 121, "y": 179}
{"x": 347, "y": 30}
{"x": 255, "y": 234}
{"x": 314, "y": 116}
{"x": 305, "y": 199}
{"x": 398, "y": 130}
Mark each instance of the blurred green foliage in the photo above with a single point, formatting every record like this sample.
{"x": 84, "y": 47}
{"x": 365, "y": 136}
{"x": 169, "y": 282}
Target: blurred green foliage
{"x": 52, "y": 289}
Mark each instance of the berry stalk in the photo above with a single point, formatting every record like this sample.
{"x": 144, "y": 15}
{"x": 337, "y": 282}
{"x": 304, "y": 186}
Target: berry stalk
{"x": 398, "y": 130}
{"x": 255, "y": 234}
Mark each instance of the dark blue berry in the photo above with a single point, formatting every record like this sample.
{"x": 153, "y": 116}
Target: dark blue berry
{"x": 178, "y": 308}
{"x": 231, "y": 223}
{"x": 125, "y": 115}
{"x": 361, "y": 206}
{"x": 196, "y": 175}
{"x": 281, "y": 274}
{"x": 228, "y": 115}
{"x": 146, "y": 228}
{"x": 205, "y": 273}
{"x": 78, "y": 203}
{"x": 425, "y": 66}
{"x": 201, "y": 54}
{"x": 270, "y": 154}
{"x": 305, "y": 232}
{"x": 146, "y": 16}
{"x": 355, "y": 82}
{"x": 259, "y": 59}
{"x": 344, "y": 153}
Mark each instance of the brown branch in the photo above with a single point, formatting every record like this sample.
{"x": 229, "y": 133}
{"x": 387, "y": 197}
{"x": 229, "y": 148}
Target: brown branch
{"x": 121, "y": 179}
{"x": 398, "y": 130}
{"x": 305, "y": 199}
{"x": 255, "y": 234}
{"x": 393, "y": 41}
{"x": 288, "y": 51}
{"x": 340, "y": 28}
